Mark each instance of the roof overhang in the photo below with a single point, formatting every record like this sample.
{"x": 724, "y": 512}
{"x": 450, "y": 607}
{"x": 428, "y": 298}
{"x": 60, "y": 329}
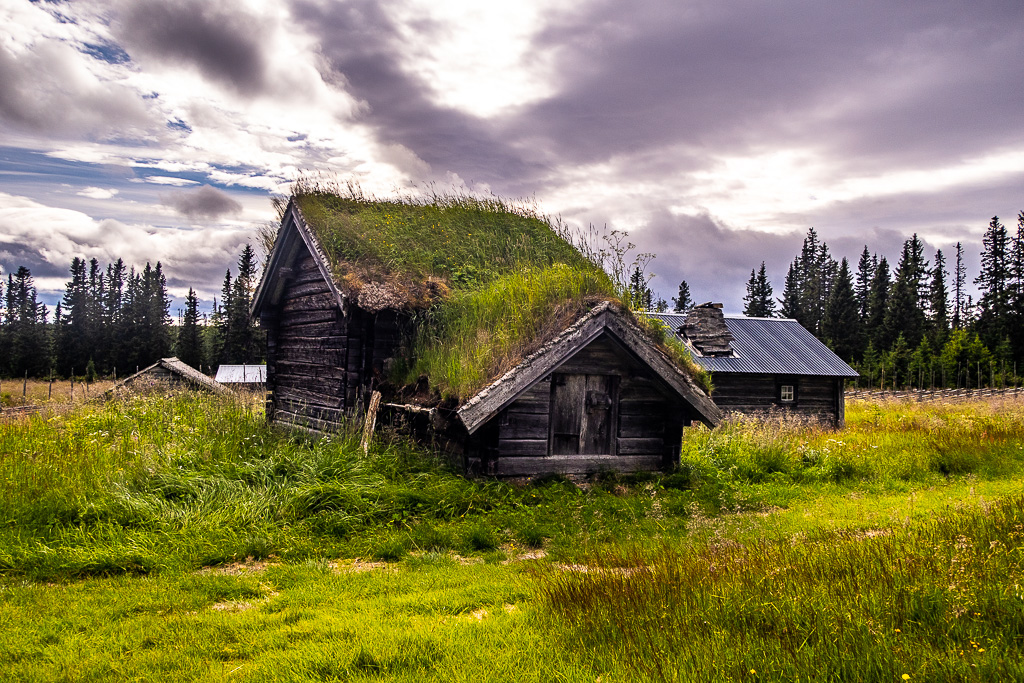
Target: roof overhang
{"x": 291, "y": 238}
{"x": 604, "y": 318}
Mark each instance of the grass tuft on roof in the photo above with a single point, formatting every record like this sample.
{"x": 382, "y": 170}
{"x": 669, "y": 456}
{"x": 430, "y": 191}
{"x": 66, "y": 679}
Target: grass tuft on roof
{"x": 490, "y": 280}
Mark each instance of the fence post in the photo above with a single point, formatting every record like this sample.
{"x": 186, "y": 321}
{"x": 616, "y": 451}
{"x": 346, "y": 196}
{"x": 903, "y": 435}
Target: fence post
{"x": 72, "y": 385}
{"x": 24, "y": 385}
{"x": 49, "y": 389}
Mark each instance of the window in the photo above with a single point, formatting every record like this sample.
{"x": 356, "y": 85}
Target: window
{"x": 786, "y": 393}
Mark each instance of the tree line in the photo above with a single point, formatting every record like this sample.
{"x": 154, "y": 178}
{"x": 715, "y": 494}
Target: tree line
{"x": 913, "y": 325}
{"x": 116, "y": 319}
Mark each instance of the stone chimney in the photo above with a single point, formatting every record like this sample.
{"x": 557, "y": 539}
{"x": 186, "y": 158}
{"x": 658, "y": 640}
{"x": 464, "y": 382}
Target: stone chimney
{"x": 706, "y": 330}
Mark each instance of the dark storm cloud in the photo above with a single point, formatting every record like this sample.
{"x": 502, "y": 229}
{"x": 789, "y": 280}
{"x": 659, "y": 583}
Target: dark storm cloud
{"x": 222, "y": 41}
{"x": 860, "y": 78}
{"x": 202, "y": 202}
{"x": 44, "y": 92}
{"x": 362, "y": 47}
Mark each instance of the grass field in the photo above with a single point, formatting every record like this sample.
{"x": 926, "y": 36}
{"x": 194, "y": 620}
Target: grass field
{"x": 181, "y": 538}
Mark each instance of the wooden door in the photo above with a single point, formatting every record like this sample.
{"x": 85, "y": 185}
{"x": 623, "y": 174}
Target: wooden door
{"x": 582, "y": 414}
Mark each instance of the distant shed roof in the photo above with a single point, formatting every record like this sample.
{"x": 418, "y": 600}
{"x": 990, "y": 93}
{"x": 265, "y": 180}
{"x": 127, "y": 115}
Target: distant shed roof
{"x": 242, "y": 374}
{"x": 776, "y": 346}
{"x": 184, "y": 373}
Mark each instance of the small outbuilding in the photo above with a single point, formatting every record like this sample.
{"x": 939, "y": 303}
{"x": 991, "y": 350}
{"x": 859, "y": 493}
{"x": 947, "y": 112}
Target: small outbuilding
{"x": 166, "y": 374}
{"x": 576, "y": 384}
{"x": 764, "y": 365}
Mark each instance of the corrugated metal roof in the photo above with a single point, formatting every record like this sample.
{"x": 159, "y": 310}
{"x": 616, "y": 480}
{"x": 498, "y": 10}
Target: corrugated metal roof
{"x": 242, "y": 374}
{"x": 775, "y": 346}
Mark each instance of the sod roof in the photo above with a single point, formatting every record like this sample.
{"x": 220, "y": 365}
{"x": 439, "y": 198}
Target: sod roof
{"x": 490, "y": 281}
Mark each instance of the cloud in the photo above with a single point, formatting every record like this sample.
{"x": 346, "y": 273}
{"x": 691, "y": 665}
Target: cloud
{"x": 167, "y": 180}
{"x": 220, "y": 39}
{"x": 203, "y": 202}
{"x": 97, "y": 193}
{"x": 45, "y": 239}
{"x": 48, "y": 90}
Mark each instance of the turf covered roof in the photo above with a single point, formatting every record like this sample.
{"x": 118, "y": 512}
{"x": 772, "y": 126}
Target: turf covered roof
{"x": 490, "y": 281}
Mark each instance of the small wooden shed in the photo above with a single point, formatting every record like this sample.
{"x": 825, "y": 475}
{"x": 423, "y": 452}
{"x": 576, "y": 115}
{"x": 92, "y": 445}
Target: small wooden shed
{"x": 597, "y": 393}
{"x": 764, "y": 365}
{"x": 600, "y": 395}
{"x": 167, "y": 373}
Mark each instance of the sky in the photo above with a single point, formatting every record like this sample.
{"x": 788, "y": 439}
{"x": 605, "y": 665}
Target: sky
{"x": 715, "y": 133}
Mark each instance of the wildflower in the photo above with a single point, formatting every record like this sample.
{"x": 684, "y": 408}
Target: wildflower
{"x": 906, "y": 677}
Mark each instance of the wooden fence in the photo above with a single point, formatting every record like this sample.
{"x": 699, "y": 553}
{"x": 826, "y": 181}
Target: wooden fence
{"x": 926, "y": 395}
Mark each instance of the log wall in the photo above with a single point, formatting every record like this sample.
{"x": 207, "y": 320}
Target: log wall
{"x": 819, "y": 398}
{"x": 646, "y": 422}
{"x": 322, "y": 363}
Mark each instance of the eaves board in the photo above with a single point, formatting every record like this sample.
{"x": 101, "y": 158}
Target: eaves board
{"x": 293, "y": 234}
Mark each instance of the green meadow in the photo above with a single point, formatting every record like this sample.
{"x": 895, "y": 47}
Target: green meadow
{"x": 181, "y": 538}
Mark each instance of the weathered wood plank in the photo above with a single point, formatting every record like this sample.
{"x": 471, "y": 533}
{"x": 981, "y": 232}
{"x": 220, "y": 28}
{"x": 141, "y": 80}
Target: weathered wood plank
{"x": 515, "y": 425}
{"x": 522, "y": 447}
{"x": 297, "y": 318}
{"x": 576, "y": 464}
{"x": 309, "y": 302}
{"x": 641, "y": 446}
{"x": 311, "y": 370}
{"x": 295, "y": 291}
{"x": 647, "y": 425}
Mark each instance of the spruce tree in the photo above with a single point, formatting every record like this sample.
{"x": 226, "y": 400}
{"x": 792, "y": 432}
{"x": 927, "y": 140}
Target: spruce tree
{"x": 959, "y": 283}
{"x": 759, "y": 301}
{"x": 938, "y": 302}
{"x": 841, "y": 326}
{"x": 905, "y": 311}
{"x": 26, "y": 333}
{"x": 994, "y": 281}
{"x": 790, "y": 303}
{"x": 878, "y": 302}
{"x": 189, "y": 345}
{"x": 640, "y": 294}
{"x": 113, "y": 319}
{"x": 682, "y": 302}
{"x": 865, "y": 273}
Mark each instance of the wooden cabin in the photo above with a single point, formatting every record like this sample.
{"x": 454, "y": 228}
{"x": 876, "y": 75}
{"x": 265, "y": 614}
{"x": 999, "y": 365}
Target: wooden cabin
{"x": 764, "y": 366}
{"x": 164, "y": 375}
{"x": 599, "y": 394}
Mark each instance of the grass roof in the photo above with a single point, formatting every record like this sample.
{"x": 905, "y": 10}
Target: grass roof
{"x": 491, "y": 280}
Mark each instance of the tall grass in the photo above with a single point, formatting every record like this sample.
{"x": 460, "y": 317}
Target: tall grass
{"x": 479, "y": 334}
{"x": 464, "y": 239}
{"x": 890, "y": 444}
{"x": 942, "y": 601}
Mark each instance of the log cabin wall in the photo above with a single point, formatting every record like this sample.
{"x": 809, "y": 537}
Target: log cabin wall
{"x": 307, "y": 348}
{"x": 819, "y": 398}
{"x": 321, "y": 363}
{"x": 600, "y": 409}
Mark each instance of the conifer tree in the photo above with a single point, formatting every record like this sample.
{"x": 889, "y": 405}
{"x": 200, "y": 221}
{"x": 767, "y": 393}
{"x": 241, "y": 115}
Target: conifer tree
{"x": 994, "y": 284}
{"x": 790, "y": 302}
{"x": 865, "y": 273}
{"x": 682, "y": 302}
{"x": 878, "y": 301}
{"x": 759, "y": 301}
{"x": 959, "y": 283}
{"x": 639, "y": 293}
{"x": 938, "y": 302}
{"x": 189, "y": 345}
{"x": 25, "y": 322}
{"x": 841, "y": 326}
{"x": 905, "y": 309}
